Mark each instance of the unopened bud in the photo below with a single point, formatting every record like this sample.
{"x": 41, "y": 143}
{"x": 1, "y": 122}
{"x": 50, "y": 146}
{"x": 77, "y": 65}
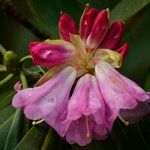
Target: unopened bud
{"x": 11, "y": 62}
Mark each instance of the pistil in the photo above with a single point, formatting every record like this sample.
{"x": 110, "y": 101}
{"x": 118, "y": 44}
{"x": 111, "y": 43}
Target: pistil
{"x": 87, "y": 128}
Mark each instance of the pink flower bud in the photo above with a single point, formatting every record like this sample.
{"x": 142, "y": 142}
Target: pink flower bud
{"x": 113, "y": 36}
{"x": 67, "y": 26}
{"x": 99, "y": 28}
{"x": 87, "y": 21}
{"x": 49, "y": 55}
{"x": 123, "y": 50}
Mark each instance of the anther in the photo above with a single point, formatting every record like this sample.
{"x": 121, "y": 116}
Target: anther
{"x": 125, "y": 122}
{"x": 37, "y": 122}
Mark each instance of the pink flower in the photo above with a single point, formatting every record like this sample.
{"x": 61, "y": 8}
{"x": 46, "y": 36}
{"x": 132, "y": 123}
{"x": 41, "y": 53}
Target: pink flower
{"x": 119, "y": 92}
{"x": 87, "y": 108}
{"x": 48, "y": 100}
{"x": 86, "y": 112}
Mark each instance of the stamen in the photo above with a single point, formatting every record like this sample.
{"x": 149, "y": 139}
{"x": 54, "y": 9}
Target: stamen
{"x": 125, "y": 122}
{"x": 37, "y": 122}
{"x": 87, "y": 128}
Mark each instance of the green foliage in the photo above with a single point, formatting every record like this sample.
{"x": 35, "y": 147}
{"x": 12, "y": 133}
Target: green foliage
{"x": 16, "y": 132}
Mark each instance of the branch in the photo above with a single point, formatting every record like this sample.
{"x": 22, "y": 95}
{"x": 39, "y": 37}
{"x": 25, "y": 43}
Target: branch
{"x": 14, "y": 13}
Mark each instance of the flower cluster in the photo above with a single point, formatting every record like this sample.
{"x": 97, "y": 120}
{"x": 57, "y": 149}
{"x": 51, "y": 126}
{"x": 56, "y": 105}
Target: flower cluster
{"x": 83, "y": 99}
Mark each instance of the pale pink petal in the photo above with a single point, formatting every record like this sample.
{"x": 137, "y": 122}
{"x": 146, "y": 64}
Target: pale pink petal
{"x": 40, "y": 101}
{"x": 86, "y": 98}
{"x": 66, "y": 26}
{"x": 99, "y": 28}
{"x": 57, "y": 120}
{"x": 18, "y": 86}
{"x": 118, "y": 91}
{"x": 77, "y": 132}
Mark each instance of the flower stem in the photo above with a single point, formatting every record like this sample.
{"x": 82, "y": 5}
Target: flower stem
{"x": 6, "y": 79}
{"x": 2, "y": 68}
{"x": 2, "y": 50}
{"x": 23, "y": 80}
{"x": 41, "y": 70}
{"x": 25, "y": 58}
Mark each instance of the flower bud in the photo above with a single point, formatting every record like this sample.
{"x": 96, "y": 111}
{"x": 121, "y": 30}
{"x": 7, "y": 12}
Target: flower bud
{"x": 113, "y": 36}
{"x": 123, "y": 50}
{"x": 11, "y": 62}
{"x": 67, "y": 26}
{"x": 87, "y": 21}
{"x": 99, "y": 28}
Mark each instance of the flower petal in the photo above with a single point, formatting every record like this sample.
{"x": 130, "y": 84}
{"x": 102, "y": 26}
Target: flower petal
{"x": 123, "y": 50}
{"x": 87, "y": 21}
{"x": 77, "y": 131}
{"x": 137, "y": 113}
{"x": 66, "y": 26}
{"x": 113, "y": 36}
{"x": 118, "y": 91}
{"x": 99, "y": 28}
{"x": 51, "y": 53}
{"x": 86, "y": 98}
{"x": 40, "y": 101}
{"x": 18, "y": 86}
{"x": 112, "y": 57}
{"x": 99, "y": 132}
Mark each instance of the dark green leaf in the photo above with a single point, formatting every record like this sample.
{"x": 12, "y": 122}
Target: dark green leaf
{"x": 33, "y": 139}
{"x": 4, "y": 102}
{"x": 6, "y": 113}
{"x": 127, "y": 8}
{"x": 4, "y": 129}
{"x": 15, "y": 131}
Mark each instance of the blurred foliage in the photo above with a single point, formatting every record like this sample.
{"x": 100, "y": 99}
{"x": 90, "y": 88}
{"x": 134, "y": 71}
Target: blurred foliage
{"x": 16, "y": 132}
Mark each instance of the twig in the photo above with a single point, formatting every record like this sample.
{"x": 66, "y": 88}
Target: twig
{"x": 14, "y": 12}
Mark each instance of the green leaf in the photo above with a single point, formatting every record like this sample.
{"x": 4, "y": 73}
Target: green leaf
{"x": 6, "y": 113}
{"x": 33, "y": 139}
{"x": 4, "y": 102}
{"x": 15, "y": 131}
{"x": 4, "y": 129}
{"x": 136, "y": 64}
{"x": 51, "y": 140}
{"x": 127, "y": 8}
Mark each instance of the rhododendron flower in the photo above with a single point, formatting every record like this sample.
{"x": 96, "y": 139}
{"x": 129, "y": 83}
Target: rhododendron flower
{"x": 82, "y": 101}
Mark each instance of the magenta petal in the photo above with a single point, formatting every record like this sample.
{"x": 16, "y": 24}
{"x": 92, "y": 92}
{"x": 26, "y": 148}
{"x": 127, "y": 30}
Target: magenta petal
{"x": 67, "y": 26}
{"x": 49, "y": 55}
{"x": 32, "y": 44}
{"x": 86, "y": 98}
{"x": 87, "y": 21}
{"x": 77, "y": 131}
{"x": 118, "y": 91}
{"x": 113, "y": 36}
{"x": 123, "y": 50}
{"x": 99, "y": 28}
{"x": 40, "y": 101}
